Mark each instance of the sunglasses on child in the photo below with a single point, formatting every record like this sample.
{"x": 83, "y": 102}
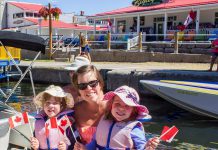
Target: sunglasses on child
{"x": 83, "y": 86}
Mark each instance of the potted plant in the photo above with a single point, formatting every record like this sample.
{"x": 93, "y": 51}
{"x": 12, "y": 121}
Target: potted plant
{"x": 56, "y": 12}
{"x": 44, "y": 12}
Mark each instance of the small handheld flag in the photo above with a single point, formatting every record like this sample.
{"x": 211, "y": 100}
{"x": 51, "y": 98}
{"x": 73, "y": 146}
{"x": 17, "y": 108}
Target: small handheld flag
{"x": 64, "y": 123}
{"x": 19, "y": 119}
{"x": 168, "y": 133}
{"x": 50, "y": 124}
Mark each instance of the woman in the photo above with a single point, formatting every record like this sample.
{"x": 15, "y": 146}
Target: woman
{"x": 78, "y": 62}
{"x": 214, "y": 54}
{"x": 89, "y": 84}
{"x": 88, "y": 112}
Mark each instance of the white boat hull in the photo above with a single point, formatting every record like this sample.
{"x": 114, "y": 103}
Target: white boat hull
{"x": 200, "y": 100}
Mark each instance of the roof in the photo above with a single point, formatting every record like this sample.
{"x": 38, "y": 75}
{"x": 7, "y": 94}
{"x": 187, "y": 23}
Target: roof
{"x": 168, "y": 5}
{"x": 60, "y": 24}
{"x": 27, "y": 6}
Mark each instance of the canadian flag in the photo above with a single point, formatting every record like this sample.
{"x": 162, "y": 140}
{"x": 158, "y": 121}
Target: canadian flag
{"x": 191, "y": 17}
{"x": 19, "y": 119}
{"x": 64, "y": 123}
{"x": 168, "y": 133}
{"x": 109, "y": 24}
{"x": 50, "y": 124}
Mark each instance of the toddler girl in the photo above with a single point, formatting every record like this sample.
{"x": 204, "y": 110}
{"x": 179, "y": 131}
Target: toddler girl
{"x": 120, "y": 128}
{"x": 54, "y": 102}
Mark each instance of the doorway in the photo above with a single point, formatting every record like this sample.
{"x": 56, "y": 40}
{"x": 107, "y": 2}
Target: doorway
{"x": 159, "y": 30}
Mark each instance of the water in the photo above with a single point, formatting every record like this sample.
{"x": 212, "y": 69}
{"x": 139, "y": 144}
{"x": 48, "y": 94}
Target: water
{"x": 195, "y": 132}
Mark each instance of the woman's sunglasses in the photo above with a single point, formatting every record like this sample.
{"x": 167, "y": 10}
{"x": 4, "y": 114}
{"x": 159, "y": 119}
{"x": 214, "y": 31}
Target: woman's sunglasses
{"x": 83, "y": 86}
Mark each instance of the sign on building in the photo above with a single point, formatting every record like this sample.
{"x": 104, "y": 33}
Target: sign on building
{"x": 146, "y": 2}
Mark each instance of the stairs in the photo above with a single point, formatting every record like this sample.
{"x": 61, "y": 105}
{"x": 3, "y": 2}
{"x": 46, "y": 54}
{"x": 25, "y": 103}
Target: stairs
{"x": 65, "y": 54}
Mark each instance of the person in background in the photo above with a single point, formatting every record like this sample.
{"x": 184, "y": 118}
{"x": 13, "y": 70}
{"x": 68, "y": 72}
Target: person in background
{"x": 78, "y": 62}
{"x": 89, "y": 84}
{"x": 85, "y": 49}
{"x": 119, "y": 128}
{"x": 54, "y": 102}
{"x": 214, "y": 54}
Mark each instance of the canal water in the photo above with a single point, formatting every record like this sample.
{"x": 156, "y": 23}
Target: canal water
{"x": 195, "y": 132}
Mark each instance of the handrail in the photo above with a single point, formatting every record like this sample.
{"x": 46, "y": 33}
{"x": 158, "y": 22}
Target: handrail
{"x": 68, "y": 46}
{"x": 57, "y": 43}
{"x": 132, "y": 42}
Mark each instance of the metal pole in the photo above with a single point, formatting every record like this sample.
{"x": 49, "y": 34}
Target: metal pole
{"x": 109, "y": 41}
{"x": 22, "y": 76}
{"x": 140, "y": 41}
{"x": 176, "y": 43}
{"x": 50, "y": 31}
{"x": 80, "y": 43}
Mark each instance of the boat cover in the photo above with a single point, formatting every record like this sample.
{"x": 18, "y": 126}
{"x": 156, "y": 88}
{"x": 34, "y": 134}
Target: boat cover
{"x": 23, "y": 41}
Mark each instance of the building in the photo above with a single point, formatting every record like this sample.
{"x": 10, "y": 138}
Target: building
{"x": 24, "y": 17}
{"x": 162, "y": 18}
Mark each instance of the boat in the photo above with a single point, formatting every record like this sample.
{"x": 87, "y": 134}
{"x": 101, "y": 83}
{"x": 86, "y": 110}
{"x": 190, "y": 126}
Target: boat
{"x": 20, "y": 135}
{"x": 197, "y": 97}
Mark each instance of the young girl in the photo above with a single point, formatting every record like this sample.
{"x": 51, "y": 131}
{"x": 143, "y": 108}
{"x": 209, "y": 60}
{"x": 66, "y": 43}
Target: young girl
{"x": 120, "y": 128}
{"x": 54, "y": 102}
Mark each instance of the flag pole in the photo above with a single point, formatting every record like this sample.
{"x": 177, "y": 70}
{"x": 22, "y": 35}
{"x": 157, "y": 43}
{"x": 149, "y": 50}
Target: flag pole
{"x": 71, "y": 129}
{"x": 31, "y": 130}
{"x": 58, "y": 130}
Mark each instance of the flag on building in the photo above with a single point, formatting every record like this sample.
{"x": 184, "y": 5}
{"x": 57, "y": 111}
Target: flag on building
{"x": 50, "y": 124}
{"x": 64, "y": 123}
{"x": 109, "y": 25}
{"x": 190, "y": 18}
{"x": 168, "y": 133}
{"x": 19, "y": 119}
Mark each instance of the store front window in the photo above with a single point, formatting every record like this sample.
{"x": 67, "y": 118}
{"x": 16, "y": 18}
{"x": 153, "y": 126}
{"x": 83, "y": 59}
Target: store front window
{"x": 18, "y": 15}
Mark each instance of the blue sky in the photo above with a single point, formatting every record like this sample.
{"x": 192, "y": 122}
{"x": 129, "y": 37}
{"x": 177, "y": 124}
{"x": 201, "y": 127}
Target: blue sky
{"x": 90, "y": 7}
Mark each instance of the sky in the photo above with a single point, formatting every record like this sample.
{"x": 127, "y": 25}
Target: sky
{"x": 90, "y": 7}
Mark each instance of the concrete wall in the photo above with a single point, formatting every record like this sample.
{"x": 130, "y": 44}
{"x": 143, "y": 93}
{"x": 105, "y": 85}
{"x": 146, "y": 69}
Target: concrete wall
{"x": 116, "y": 78}
{"x": 123, "y": 56}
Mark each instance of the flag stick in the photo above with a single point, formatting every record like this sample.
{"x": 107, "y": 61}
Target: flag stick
{"x": 31, "y": 130}
{"x": 58, "y": 131}
{"x": 71, "y": 129}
